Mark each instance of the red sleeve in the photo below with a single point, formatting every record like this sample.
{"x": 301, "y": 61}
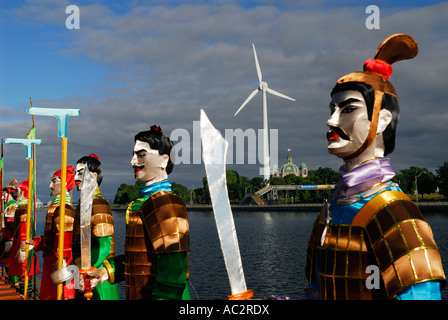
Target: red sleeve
{"x": 67, "y": 244}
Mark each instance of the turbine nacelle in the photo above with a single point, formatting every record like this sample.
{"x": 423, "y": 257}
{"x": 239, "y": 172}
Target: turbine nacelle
{"x": 263, "y": 86}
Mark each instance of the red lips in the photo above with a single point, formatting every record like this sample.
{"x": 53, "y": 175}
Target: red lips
{"x": 332, "y": 135}
{"x": 137, "y": 169}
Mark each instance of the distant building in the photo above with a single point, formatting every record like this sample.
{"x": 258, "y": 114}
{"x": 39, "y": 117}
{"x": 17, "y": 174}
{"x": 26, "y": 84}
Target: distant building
{"x": 39, "y": 204}
{"x": 290, "y": 168}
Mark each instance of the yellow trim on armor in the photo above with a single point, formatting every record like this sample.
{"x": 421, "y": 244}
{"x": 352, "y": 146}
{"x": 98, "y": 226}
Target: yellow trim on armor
{"x": 376, "y": 204}
{"x": 110, "y": 271}
{"x": 128, "y": 210}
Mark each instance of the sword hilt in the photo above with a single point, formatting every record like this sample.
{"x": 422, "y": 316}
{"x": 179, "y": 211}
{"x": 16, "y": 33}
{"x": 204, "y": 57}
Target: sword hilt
{"x": 245, "y": 295}
{"x": 87, "y": 286}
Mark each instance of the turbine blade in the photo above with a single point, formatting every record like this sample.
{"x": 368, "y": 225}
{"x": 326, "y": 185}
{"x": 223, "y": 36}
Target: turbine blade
{"x": 257, "y": 65}
{"x": 276, "y": 93}
{"x": 247, "y": 100}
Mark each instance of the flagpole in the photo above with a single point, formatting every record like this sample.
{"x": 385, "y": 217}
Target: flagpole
{"x": 28, "y": 225}
{"x": 32, "y": 135}
{"x": 62, "y": 213}
{"x": 61, "y": 115}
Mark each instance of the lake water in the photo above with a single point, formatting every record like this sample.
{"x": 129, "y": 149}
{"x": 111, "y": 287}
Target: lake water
{"x": 272, "y": 246}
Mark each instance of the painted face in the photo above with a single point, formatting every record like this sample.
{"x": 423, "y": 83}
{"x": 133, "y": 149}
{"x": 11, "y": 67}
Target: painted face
{"x": 20, "y": 195}
{"x": 79, "y": 172}
{"x": 55, "y": 185}
{"x": 148, "y": 164}
{"x": 349, "y": 123}
{"x": 78, "y": 175}
{"x": 6, "y": 196}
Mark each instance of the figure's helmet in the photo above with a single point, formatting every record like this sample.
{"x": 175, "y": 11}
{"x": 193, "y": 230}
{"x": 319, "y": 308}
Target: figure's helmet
{"x": 378, "y": 92}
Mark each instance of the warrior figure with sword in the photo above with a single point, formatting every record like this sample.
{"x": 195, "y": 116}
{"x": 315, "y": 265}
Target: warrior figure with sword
{"x": 157, "y": 230}
{"x": 100, "y": 221}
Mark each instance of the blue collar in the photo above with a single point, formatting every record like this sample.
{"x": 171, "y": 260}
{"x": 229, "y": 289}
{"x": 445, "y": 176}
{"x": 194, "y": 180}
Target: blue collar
{"x": 164, "y": 185}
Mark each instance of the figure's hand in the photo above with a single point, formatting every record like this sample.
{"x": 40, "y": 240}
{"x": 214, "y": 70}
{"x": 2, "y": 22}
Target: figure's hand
{"x": 98, "y": 276}
{"x": 62, "y": 275}
{"x": 21, "y": 253}
{"x": 29, "y": 243}
{"x": 20, "y": 256}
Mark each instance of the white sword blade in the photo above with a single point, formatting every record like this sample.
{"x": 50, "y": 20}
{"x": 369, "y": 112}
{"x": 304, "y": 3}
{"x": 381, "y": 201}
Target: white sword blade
{"x": 276, "y": 93}
{"x": 257, "y": 65}
{"x": 88, "y": 187}
{"x": 246, "y": 101}
{"x": 214, "y": 150}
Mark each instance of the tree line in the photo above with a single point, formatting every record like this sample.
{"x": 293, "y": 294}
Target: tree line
{"x": 238, "y": 186}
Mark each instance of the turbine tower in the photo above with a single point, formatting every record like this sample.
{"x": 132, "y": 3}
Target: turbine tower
{"x": 263, "y": 87}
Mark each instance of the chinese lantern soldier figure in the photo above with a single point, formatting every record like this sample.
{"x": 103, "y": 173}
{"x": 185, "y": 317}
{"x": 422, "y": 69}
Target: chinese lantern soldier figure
{"x": 368, "y": 221}
{"x": 157, "y": 230}
{"x": 48, "y": 243}
{"x": 103, "y": 235}
{"x": 17, "y": 261}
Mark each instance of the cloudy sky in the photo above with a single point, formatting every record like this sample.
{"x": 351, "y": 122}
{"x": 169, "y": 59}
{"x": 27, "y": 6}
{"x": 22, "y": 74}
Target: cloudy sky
{"x": 132, "y": 64}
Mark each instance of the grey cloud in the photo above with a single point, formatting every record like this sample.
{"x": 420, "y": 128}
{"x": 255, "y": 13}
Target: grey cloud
{"x": 165, "y": 63}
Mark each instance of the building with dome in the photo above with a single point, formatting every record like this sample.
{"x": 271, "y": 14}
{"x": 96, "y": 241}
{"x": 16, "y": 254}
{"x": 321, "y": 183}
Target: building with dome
{"x": 290, "y": 168}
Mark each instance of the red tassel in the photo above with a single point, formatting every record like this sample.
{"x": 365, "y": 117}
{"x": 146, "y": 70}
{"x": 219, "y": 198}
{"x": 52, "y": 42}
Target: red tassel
{"x": 379, "y": 67}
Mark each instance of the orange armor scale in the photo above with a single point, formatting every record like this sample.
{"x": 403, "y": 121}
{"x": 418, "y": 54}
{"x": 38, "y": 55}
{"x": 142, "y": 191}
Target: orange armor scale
{"x": 389, "y": 232}
{"x": 52, "y": 226}
{"x": 158, "y": 226}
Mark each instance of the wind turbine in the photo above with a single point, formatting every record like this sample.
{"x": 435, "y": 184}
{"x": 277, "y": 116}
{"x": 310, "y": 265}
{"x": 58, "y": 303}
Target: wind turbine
{"x": 263, "y": 87}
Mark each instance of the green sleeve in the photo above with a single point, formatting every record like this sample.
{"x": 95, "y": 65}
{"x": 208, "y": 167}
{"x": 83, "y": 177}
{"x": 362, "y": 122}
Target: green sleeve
{"x": 171, "y": 278}
{"x": 100, "y": 250}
